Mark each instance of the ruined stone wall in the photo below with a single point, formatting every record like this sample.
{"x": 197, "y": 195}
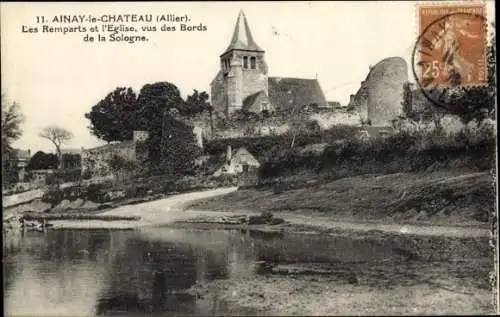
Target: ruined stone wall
{"x": 385, "y": 90}
{"x": 359, "y": 102}
{"x": 253, "y": 81}
{"x": 95, "y": 162}
{"x": 217, "y": 94}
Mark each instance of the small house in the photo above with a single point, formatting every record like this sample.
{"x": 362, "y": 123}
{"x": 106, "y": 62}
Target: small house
{"x": 237, "y": 162}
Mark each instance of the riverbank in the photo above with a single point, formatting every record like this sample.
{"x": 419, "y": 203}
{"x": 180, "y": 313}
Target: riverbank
{"x": 449, "y": 205}
{"x": 445, "y": 198}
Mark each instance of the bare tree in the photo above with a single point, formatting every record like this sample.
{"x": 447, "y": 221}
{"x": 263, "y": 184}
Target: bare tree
{"x": 57, "y": 136}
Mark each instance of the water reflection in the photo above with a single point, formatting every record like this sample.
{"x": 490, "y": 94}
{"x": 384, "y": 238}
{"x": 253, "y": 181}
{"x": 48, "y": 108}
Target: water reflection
{"x": 102, "y": 272}
{"x": 46, "y": 274}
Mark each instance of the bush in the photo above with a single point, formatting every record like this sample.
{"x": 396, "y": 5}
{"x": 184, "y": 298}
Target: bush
{"x": 96, "y": 192}
{"x": 118, "y": 163}
{"x": 222, "y": 180}
{"x": 63, "y": 176}
{"x": 399, "y": 152}
{"x": 53, "y": 196}
{"x": 87, "y": 174}
{"x": 74, "y": 192}
{"x": 261, "y": 145}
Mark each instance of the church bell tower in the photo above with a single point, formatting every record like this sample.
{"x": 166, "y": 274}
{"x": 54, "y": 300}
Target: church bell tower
{"x": 243, "y": 70}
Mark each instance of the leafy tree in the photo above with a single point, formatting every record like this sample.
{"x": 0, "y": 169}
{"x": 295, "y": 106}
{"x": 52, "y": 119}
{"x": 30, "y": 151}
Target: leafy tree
{"x": 171, "y": 143}
{"x": 114, "y": 117}
{"x": 178, "y": 148}
{"x": 416, "y": 112}
{"x": 12, "y": 118}
{"x": 197, "y": 103}
{"x": 11, "y": 124}
{"x": 42, "y": 160}
{"x": 154, "y": 102}
{"x": 57, "y": 136}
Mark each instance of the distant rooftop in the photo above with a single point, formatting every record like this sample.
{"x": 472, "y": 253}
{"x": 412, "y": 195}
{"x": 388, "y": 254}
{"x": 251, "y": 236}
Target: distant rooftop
{"x": 71, "y": 151}
{"x": 22, "y": 154}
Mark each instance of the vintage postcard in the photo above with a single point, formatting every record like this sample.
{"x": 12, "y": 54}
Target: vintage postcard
{"x": 249, "y": 158}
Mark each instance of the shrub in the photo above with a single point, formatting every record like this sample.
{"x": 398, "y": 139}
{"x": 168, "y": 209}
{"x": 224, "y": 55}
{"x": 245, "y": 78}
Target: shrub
{"x": 118, "y": 163}
{"x": 402, "y": 151}
{"x": 53, "y": 196}
{"x": 87, "y": 174}
{"x": 63, "y": 176}
{"x": 96, "y": 192}
{"x": 261, "y": 145}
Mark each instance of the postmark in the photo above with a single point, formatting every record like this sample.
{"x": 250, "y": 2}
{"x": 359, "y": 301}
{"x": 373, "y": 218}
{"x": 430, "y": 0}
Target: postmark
{"x": 450, "y": 52}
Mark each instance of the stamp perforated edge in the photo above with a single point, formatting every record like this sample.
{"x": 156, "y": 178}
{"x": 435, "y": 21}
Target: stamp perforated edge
{"x": 488, "y": 28}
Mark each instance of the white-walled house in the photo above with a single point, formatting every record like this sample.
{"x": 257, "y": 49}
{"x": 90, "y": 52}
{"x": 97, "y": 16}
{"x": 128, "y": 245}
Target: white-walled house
{"x": 237, "y": 162}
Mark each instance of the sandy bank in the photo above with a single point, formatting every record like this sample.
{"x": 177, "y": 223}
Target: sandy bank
{"x": 383, "y": 293}
{"x": 154, "y": 213}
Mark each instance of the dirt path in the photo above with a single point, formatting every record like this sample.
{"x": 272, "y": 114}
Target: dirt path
{"x": 154, "y": 213}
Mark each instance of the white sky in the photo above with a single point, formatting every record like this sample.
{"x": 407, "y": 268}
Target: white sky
{"x": 57, "y": 78}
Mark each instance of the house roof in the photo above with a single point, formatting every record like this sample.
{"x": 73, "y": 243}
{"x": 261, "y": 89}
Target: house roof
{"x": 242, "y": 155}
{"x": 294, "y": 93}
{"x": 242, "y": 37}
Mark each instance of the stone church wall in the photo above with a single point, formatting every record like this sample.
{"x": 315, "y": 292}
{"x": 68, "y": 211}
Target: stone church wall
{"x": 234, "y": 89}
{"x": 253, "y": 81}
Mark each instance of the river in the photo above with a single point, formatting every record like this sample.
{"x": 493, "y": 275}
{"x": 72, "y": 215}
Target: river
{"x": 149, "y": 271}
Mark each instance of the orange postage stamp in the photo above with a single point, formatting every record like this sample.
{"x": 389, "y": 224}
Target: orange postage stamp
{"x": 451, "y": 49}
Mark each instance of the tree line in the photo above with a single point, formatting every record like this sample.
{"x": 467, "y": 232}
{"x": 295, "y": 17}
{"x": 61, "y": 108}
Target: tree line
{"x": 171, "y": 144}
{"x": 120, "y": 112}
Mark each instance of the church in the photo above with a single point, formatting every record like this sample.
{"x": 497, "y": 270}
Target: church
{"x": 242, "y": 83}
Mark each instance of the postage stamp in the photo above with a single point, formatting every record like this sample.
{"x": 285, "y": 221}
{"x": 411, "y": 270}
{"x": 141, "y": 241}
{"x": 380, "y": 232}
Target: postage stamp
{"x": 451, "y": 48}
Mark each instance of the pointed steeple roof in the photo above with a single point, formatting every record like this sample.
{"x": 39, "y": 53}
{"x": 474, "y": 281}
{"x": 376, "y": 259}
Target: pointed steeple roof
{"x": 242, "y": 37}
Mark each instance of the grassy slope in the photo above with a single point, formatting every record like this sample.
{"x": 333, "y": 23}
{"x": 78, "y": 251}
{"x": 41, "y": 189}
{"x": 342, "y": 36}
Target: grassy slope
{"x": 444, "y": 197}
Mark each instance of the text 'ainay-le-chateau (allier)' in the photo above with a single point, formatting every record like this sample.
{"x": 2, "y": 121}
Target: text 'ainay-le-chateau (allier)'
{"x": 114, "y": 18}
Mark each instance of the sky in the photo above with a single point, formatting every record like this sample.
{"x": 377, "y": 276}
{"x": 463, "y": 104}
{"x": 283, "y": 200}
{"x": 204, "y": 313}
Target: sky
{"x": 57, "y": 78}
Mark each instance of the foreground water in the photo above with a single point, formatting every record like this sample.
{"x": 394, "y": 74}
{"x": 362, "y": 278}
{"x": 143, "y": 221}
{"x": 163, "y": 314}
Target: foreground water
{"x": 105, "y": 272}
